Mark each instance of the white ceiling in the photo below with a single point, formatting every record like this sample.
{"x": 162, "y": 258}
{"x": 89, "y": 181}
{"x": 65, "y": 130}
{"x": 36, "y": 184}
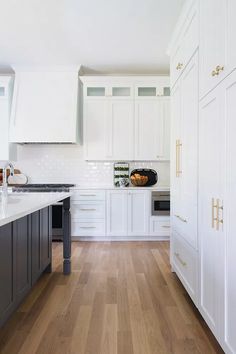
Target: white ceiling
{"x": 112, "y": 36}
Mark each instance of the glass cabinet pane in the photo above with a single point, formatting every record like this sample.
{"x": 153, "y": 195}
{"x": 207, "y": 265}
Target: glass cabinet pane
{"x": 166, "y": 91}
{"x": 121, "y": 91}
{"x": 2, "y": 91}
{"x": 95, "y": 91}
{"x": 147, "y": 91}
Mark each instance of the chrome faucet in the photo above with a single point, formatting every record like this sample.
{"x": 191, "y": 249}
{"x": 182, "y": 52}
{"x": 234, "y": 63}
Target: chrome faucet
{"x": 4, "y": 177}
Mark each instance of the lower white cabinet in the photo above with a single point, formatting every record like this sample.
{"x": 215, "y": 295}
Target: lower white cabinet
{"x": 116, "y": 213}
{"x": 117, "y": 216}
{"x": 160, "y": 226}
{"x": 139, "y": 208}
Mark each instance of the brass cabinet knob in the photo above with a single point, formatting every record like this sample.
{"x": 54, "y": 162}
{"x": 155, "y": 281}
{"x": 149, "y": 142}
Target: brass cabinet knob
{"x": 179, "y": 66}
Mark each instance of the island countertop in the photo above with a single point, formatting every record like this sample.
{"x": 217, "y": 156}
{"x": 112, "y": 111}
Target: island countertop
{"x": 18, "y": 205}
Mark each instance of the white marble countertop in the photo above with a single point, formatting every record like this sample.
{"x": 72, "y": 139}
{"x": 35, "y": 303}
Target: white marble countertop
{"x": 17, "y": 205}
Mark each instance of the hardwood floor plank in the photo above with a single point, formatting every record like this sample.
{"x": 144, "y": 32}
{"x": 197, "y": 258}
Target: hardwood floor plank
{"x": 121, "y": 298}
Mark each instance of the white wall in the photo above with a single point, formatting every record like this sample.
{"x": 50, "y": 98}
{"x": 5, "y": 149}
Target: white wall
{"x": 65, "y": 164}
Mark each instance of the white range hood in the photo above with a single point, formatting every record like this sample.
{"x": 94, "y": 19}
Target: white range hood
{"x": 45, "y": 105}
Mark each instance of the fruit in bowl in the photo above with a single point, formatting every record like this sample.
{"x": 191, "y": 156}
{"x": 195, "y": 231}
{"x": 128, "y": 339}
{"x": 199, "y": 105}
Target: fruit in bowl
{"x": 138, "y": 180}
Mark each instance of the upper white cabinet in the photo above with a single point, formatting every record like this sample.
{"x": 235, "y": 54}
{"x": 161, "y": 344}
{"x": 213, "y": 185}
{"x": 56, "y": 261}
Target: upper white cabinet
{"x": 7, "y": 150}
{"x": 185, "y": 40}
{"x": 152, "y": 129}
{"x": 126, "y": 118}
{"x": 218, "y": 45}
{"x": 45, "y": 107}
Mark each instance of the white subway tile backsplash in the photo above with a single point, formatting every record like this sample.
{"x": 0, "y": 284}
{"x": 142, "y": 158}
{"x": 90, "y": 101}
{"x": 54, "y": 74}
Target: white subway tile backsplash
{"x": 65, "y": 164}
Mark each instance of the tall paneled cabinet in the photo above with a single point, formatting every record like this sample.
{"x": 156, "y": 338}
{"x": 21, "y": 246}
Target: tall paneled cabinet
{"x": 203, "y": 172}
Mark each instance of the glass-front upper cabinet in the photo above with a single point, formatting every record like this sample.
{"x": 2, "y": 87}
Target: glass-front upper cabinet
{"x": 146, "y": 91}
{"x": 108, "y": 91}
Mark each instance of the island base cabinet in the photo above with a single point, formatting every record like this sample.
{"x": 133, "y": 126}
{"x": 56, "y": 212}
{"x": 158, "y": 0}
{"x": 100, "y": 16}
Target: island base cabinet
{"x": 6, "y": 272}
{"x": 22, "y": 236}
{"x": 25, "y": 252}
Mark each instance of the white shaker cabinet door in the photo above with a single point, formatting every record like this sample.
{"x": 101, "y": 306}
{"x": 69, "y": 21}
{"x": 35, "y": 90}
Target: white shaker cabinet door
{"x": 229, "y": 101}
{"x": 212, "y": 242}
{"x": 152, "y": 129}
{"x": 212, "y": 43}
{"x": 139, "y": 211}
{"x": 189, "y": 152}
{"x": 120, "y": 130}
{"x": 117, "y": 213}
{"x": 95, "y": 129}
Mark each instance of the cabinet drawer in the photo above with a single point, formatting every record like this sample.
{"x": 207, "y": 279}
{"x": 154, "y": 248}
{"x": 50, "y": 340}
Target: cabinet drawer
{"x": 160, "y": 226}
{"x": 184, "y": 262}
{"x": 89, "y": 195}
{"x": 87, "y": 210}
{"x": 87, "y": 228}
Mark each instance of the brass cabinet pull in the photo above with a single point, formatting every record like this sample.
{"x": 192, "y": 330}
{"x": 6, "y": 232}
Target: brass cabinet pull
{"x": 216, "y": 219}
{"x": 166, "y": 227}
{"x": 180, "y": 259}
{"x": 88, "y": 227}
{"x": 88, "y": 209}
{"x": 213, "y": 218}
{"x": 217, "y": 70}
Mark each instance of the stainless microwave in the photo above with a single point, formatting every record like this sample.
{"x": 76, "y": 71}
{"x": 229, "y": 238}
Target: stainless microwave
{"x": 160, "y": 203}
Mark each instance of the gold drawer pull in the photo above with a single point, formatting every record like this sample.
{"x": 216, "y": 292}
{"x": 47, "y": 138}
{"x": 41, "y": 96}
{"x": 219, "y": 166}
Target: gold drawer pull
{"x": 177, "y": 162}
{"x": 165, "y": 227}
{"x": 88, "y": 195}
{"x": 180, "y": 259}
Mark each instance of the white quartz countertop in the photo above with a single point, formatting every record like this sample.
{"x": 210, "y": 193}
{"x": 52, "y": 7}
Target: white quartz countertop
{"x": 111, "y": 187}
{"x": 17, "y": 205}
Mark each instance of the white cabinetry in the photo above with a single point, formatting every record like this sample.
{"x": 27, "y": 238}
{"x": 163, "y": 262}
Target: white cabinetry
{"x": 217, "y": 211}
{"x": 45, "y": 107}
{"x": 122, "y": 125}
{"x": 152, "y": 129}
{"x": 218, "y": 45}
{"x": 211, "y": 170}
{"x": 139, "y": 209}
{"x": 184, "y": 166}
{"x": 185, "y": 40}
{"x": 117, "y": 213}
{"x": 7, "y": 151}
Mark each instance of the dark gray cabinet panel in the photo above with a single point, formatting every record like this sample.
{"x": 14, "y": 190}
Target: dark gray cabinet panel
{"x": 6, "y": 270}
{"x": 35, "y": 246}
{"x": 22, "y": 234}
{"x": 45, "y": 238}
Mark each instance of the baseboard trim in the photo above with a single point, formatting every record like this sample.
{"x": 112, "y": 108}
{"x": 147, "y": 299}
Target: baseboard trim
{"x": 120, "y": 238}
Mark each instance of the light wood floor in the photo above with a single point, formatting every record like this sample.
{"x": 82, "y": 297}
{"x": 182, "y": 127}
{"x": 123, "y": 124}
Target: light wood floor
{"x": 121, "y": 298}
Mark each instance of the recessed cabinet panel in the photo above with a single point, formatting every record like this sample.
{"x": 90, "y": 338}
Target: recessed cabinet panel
{"x": 211, "y": 172}
{"x": 138, "y": 213}
{"x": 117, "y": 209}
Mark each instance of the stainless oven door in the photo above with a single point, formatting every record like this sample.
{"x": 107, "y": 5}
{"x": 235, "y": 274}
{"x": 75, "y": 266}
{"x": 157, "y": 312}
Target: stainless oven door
{"x": 160, "y": 203}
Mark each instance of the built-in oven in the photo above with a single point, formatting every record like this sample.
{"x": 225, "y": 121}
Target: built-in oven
{"x": 57, "y": 221}
{"x": 160, "y": 203}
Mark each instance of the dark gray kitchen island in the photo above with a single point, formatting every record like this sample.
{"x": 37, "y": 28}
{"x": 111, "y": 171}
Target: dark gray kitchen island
{"x": 25, "y": 244}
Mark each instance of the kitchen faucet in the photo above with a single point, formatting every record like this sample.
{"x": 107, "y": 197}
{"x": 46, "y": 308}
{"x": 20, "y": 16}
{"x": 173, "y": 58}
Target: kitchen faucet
{"x": 4, "y": 177}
